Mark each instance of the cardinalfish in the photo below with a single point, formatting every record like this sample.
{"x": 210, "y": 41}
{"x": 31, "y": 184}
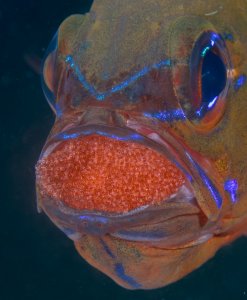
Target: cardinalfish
{"x": 145, "y": 168}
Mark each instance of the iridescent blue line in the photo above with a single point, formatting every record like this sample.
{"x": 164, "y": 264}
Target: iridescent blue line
{"x": 102, "y": 95}
{"x": 231, "y": 186}
{"x": 208, "y": 183}
{"x": 132, "y": 137}
{"x": 241, "y": 80}
{"x": 106, "y": 248}
{"x": 119, "y": 269}
{"x": 168, "y": 115}
{"x": 58, "y": 110}
{"x": 94, "y": 219}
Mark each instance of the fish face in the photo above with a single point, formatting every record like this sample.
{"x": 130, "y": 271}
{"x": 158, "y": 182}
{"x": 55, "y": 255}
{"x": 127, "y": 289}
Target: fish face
{"x": 140, "y": 169}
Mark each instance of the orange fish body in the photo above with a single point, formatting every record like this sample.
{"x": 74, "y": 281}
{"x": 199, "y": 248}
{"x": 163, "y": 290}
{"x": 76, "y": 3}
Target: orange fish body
{"x": 145, "y": 168}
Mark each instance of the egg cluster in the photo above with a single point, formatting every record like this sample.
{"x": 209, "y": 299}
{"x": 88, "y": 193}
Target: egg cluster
{"x": 100, "y": 173}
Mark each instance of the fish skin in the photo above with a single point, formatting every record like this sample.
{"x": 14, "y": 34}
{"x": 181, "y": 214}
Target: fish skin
{"x": 118, "y": 38}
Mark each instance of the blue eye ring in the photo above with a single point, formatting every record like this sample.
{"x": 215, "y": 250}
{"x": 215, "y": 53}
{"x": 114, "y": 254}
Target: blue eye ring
{"x": 209, "y": 79}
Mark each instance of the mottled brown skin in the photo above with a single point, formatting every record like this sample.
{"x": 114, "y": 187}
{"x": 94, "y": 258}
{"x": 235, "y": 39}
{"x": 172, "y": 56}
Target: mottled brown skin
{"x": 119, "y": 37}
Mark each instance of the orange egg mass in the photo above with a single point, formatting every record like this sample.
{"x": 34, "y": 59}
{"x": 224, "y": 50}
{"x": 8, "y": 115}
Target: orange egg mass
{"x": 104, "y": 174}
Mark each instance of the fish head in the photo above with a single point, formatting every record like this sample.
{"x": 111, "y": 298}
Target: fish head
{"x": 148, "y": 149}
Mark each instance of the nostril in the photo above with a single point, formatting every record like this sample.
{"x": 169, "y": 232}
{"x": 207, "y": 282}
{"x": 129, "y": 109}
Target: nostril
{"x": 104, "y": 174}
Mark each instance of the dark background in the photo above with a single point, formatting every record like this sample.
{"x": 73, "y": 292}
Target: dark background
{"x": 37, "y": 261}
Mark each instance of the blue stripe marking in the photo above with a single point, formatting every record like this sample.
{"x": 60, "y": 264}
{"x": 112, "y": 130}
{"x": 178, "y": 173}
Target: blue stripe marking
{"x": 231, "y": 186}
{"x": 98, "y": 219}
{"x": 107, "y": 249}
{"x": 102, "y": 95}
{"x": 208, "y": 183}
{"x": 241, "y": 80}
{"x": 167, "y": 115}
{"x": 119, "y": 269}
{"x": 131, "y": 137}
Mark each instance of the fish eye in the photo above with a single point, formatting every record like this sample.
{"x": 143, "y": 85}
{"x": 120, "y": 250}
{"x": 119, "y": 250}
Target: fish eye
{"x": 213, "y": 79}
{"x": 209, "y": 65}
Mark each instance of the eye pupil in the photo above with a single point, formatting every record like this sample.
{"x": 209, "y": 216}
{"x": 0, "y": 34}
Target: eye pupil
{"x": 213, "y": 78}
{"x": 204, "y": 99}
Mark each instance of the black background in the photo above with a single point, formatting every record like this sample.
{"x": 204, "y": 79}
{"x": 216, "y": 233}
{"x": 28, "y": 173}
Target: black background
{"x": 37, "y": 261}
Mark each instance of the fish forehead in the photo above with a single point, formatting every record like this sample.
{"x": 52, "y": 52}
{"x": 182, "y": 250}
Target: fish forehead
{"x": 118, "y": 35}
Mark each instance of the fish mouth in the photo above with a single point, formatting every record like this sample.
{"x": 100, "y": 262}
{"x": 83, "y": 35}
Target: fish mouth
{"x": 103, "y": 180}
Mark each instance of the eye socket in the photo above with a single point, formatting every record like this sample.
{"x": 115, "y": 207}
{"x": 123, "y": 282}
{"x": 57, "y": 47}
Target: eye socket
{"x": 209, "y": 66}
